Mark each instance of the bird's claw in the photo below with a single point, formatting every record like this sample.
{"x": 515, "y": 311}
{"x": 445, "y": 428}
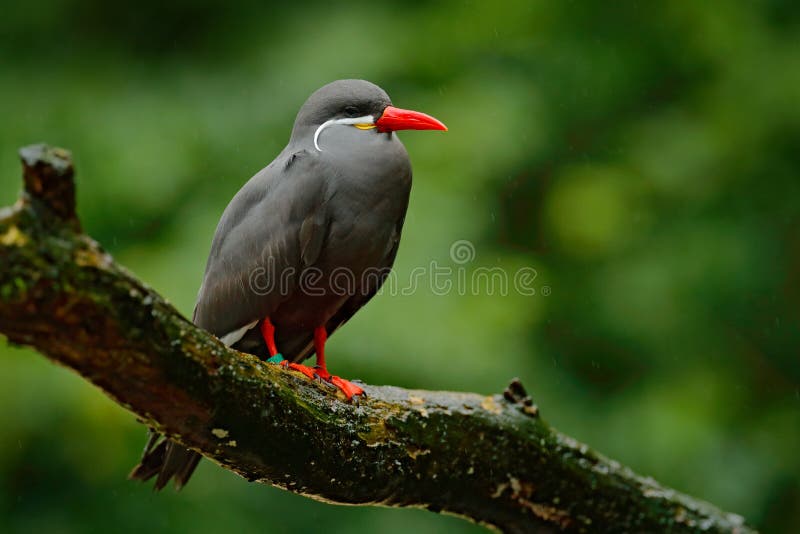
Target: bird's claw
{"x": 322, "y": 374}
{"x": 349, "y": 389}
{"x": 310, "y": 372}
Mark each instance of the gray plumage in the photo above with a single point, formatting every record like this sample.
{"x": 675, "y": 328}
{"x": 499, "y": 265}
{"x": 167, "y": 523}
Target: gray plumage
{"x": 310, "y": 212}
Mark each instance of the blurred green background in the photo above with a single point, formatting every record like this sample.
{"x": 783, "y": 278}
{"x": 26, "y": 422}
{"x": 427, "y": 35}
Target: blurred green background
{"x": 644, "y": 158}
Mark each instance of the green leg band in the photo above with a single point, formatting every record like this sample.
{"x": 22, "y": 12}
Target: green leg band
{"x": 278, "y": 358}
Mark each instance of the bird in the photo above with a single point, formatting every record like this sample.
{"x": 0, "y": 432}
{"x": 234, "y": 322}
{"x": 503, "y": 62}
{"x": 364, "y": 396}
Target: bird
{"x": 305, "y": 243}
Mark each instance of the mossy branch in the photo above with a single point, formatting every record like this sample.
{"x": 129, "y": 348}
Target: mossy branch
{"x": 490, "y": 459}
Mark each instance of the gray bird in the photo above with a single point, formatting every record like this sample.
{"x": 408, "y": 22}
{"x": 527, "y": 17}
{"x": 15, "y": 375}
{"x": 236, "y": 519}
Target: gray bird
{"x": 305, "y": 243}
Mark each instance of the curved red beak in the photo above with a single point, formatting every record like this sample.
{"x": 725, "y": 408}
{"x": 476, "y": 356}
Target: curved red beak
{"x": 394, "y": 119}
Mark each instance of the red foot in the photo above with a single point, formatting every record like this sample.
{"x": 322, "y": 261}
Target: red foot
{"x": 310, "y": 372}
{"x": 348, "y": 388}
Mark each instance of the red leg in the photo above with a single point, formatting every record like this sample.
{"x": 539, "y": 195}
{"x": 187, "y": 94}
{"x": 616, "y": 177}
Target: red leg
{"x": 320, "y": 337}
{"x": 348, "y": 388}
{"x": 268, "y": 333}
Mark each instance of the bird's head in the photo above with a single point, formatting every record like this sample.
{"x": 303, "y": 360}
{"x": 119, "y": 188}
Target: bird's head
{"x": 359, "y": 104}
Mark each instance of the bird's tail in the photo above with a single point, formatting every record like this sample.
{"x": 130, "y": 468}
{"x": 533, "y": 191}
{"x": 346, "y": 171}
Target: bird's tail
{"x": 166, "y": 459}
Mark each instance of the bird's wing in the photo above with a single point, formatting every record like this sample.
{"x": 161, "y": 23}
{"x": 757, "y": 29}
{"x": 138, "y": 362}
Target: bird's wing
{"x": 354, "y": 303}
{"x": 256, "y": 255}
{"x": 302, "y": 347}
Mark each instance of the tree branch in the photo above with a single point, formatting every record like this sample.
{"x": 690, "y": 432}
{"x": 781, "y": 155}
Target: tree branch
{"x": 489, "y": 459}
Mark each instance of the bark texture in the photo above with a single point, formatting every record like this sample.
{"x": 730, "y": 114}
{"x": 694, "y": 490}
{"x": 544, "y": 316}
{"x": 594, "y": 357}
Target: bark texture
{"x": 490, "y": 459}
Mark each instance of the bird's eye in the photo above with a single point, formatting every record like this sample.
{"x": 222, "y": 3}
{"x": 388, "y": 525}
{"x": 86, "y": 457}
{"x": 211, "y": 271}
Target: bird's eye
{"x": 351, "y": 111}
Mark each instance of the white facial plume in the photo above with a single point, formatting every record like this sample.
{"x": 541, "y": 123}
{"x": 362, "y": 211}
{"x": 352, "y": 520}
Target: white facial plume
{"x": 367, "y": 120}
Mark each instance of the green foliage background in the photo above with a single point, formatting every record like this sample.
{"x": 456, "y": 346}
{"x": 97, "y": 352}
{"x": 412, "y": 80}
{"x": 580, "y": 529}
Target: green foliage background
{"x": 643, "y": 157}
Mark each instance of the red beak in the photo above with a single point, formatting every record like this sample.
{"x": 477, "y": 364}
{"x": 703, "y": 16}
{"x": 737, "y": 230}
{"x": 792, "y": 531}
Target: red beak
{"x": 404, "y": 119}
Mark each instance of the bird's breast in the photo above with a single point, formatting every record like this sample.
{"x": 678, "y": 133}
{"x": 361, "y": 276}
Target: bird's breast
{"x": 367, "y": 198}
